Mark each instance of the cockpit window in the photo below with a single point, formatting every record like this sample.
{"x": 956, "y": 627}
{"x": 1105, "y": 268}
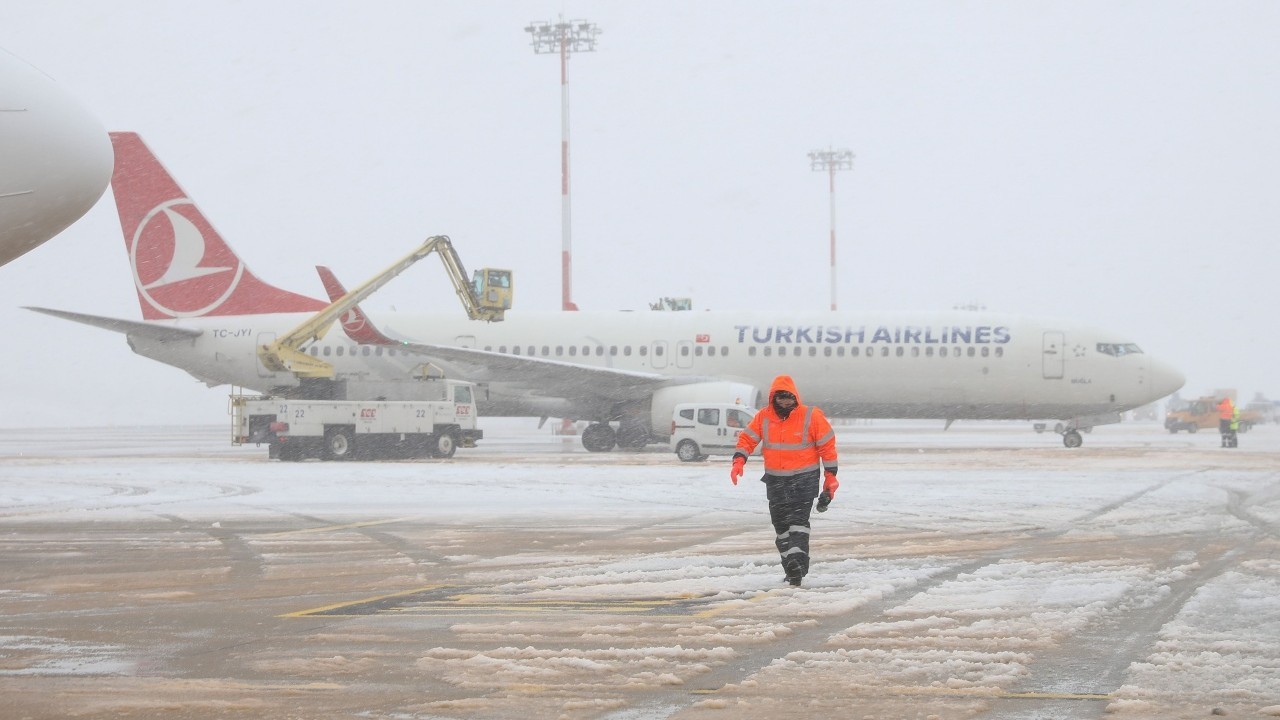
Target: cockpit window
{"x": 1119, "y": 349}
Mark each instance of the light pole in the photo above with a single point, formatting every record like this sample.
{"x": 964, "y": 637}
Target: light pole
{"x": 830, "y": 161}
{"x": 564, "y": 38}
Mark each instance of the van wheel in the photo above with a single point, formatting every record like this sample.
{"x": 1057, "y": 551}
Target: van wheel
{"x": 339, "y": 443}
{"x": 444, "y": 445}
{"x": 688, "y": 451}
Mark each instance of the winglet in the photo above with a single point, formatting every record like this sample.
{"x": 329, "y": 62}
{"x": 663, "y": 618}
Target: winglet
{"x": 355, "y": 323}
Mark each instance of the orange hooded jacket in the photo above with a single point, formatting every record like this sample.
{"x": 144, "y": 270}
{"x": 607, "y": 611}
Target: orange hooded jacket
{"x": 1225, "y": 408}
{"x": 792, "y": 446}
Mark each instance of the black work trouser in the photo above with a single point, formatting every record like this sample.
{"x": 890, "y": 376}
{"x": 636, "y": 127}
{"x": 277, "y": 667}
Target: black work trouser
{"x": 791, "y": 523}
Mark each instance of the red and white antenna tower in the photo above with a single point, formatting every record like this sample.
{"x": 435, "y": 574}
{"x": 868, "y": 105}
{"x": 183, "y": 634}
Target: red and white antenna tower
{"x": 564, "y": 38}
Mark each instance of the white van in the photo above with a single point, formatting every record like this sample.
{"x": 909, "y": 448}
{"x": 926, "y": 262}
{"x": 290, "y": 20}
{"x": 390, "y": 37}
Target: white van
{"x": 702, "y": 429}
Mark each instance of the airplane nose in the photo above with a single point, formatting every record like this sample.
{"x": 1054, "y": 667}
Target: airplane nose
{"x": 1164, "y": 379}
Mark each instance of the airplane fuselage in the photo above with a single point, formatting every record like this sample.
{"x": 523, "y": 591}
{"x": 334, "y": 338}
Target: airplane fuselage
{"x": 952, "y": 366}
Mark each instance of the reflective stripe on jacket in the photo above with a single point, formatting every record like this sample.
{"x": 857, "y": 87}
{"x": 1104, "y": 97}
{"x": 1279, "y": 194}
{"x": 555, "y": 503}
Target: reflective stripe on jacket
{"x": 803, "y": 442}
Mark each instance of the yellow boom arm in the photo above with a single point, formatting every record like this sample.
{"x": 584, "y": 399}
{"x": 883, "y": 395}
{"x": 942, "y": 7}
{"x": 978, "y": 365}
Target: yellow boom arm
{"x": 285, "y": 353}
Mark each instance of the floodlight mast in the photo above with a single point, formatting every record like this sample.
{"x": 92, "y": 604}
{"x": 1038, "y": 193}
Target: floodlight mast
{"x": 564, "y": 38}
{"x": 830, "y": 161}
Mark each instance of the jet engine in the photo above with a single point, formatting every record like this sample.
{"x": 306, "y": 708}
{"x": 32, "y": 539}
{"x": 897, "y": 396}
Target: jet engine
{"x": 666, "y": 399}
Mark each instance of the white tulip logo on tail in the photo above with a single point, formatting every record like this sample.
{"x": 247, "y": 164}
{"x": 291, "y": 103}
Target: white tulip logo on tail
{"x": 189, "y": 280}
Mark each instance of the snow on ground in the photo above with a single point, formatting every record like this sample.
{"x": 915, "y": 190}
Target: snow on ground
{"x": 527, "y": 578}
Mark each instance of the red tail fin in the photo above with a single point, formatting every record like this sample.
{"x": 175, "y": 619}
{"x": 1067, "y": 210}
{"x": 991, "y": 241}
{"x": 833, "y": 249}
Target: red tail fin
{"x": 181, "y": 265}
{"x": 355, "y": 323}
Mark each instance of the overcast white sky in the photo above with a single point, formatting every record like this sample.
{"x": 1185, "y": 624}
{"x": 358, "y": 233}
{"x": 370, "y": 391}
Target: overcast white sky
{"x": 1114, "y": 162}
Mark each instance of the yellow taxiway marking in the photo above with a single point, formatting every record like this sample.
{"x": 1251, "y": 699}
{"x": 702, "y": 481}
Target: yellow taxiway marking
{"x": 327, "y": 609}
{"x": 327, "y": 528}
{"x": 470, "y": 602}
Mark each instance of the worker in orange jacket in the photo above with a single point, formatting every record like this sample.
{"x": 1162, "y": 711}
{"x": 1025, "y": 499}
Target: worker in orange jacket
{"x": 1226, "y": 409}
{"x": 798, "y": 447}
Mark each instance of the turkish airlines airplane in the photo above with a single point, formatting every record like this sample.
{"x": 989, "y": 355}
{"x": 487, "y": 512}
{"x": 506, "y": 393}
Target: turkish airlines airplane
{"x": 205, "y": 312}
{"x": 55, "y": 159}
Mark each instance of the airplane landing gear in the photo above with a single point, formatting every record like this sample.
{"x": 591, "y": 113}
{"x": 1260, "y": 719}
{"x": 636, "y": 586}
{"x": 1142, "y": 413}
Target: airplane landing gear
{"x": 599, "y": 437}
{"x": 1072, "y": 439}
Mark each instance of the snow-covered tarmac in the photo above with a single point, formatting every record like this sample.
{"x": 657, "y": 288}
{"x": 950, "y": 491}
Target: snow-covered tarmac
{"x": 981, "y": 572}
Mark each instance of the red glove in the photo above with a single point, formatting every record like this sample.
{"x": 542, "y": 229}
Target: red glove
{"x": 829, "y": 487}
{"x": 739, "y": 462}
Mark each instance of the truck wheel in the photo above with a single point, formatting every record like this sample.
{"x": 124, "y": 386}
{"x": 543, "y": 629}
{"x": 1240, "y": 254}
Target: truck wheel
{"x": 688, "y": 451}
{"x": 339, "y": 443}
{"x": 444, "y": 445}
{"x": 1193, "y": 428}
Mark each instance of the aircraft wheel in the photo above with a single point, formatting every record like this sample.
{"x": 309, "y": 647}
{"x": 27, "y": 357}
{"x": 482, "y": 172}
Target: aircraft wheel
{"x": 688, "y": 451}
{"x": 599, "y": 437}
{"x": 444, "y": 445}
{"x": 1072, "y": 439}
{"x": 339, "y": 443}
{"x": 1192, "y": 428}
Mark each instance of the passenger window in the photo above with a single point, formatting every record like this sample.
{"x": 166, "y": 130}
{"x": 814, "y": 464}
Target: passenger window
{"x": 657, "y": 350}
{"x": 377, "y": 352}
{"x": 462, "y": 394}
{"x": 898, "y": 351}
{"x": 826, "y": 351}
{"x": 697, "y": 352}
{"x": 971, "y": 351}
{"x": 339, "y": 350}
{"x": 915, "y": 351}
{"x": 643, "y": 350}
{"x": 627, "y": 351}
{"x": 684, "y": 351}
{"x": 314, "y": 351}
{"x": 737, "y": 419}
{"x": 573, "y": 351}
{"x": 853, "y": 351}
{"x": 613, "y": 350}
{"x": 559, "y": 350}
{"x": 999, "y": 352}
{"x": 768, "y": 351}
{"x": 751, "y": 351}
{"x": 599, "y": 350}
{"x": 709, "y": 416}
{"x": 884, "y": 352}
{"x": 986, "y": 351}
{"x": 502, "y": 349}
{"x": 813, "y": 351}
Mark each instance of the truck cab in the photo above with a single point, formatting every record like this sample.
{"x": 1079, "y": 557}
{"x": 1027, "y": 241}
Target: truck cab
{"x": 702, "y": 429}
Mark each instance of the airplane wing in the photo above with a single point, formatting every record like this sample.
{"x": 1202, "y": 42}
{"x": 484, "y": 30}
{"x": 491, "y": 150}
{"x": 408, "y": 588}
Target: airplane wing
{"x": 549, "y": 377}
{"x": 552, "y": 378}
{"x": 160, "y": 333}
